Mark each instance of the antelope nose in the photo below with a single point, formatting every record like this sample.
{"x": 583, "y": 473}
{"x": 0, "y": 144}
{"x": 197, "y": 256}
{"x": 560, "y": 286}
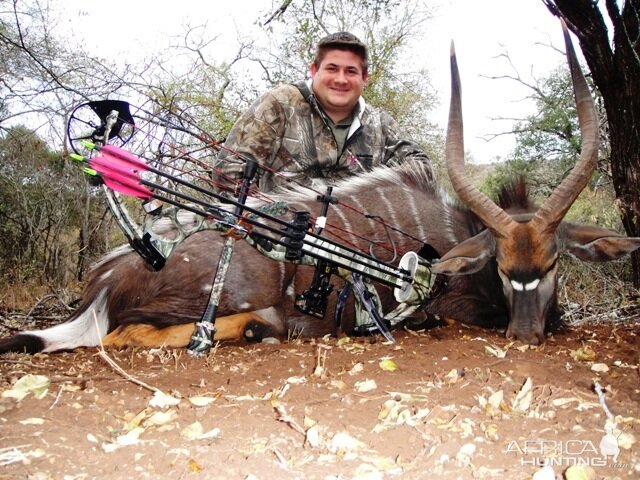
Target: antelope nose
{"x": 528, "y": 336}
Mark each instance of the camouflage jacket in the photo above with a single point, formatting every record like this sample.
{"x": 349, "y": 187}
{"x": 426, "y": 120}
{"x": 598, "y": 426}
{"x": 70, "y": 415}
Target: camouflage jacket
{"x": 291, "y": 137}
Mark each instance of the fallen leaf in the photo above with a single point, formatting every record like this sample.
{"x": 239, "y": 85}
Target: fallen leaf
{"x": 561, "y": 402}
{"x": 343, "y": 442}
{"x": 130, "y": 438}
{"x": 495, "y": 351}
{"x": 110, "y": 447}
{"x": 163, "y": 400}
{"x": 32, "y": 421}
{"x": 161, "y": 418}
{"x": 583, "y": 354}
{"x": 522, "y": 402}
{"x": 454, "y": 375}
{"x": 356, "y": 369}
{"x": 545, "y": 473}
{"x": 365, "y": 386}
{"x": 382, "y": 464}
{"x": 388, "y": 365}
{"x": 494, "y": 402}
{"x": 38, "y": 385}
{"x": 193, "y": 466}
{"x": 195, "y": 431}
{"x": 625, "y": 440}
{"x": 297, "y": 380}
{"x": 312, "y": 437}
{"x": 580, "y": 472}
{"x": 339, "y": 384}
{"x": 198, "y": 401}
{"x": 600, "y": 367}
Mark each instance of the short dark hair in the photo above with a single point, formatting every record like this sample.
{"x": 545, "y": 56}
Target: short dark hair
{"x": 342, "y": 41}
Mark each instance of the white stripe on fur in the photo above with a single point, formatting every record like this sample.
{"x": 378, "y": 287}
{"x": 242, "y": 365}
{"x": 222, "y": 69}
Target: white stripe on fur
{"x": 86, "y": 330}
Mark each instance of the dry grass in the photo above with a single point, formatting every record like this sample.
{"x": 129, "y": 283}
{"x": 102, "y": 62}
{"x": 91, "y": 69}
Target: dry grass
{"x": 594, "y": 292}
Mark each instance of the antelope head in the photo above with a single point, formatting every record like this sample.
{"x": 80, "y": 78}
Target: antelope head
{"x": 526, "y": 247}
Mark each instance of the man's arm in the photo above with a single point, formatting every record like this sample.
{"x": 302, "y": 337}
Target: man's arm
{"x": 399, "y": 150}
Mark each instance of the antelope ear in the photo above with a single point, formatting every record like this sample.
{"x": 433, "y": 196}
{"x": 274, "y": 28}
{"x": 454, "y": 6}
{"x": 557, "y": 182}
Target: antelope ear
{"x": 595, "y": 244}
{"x": 467, "y": 257}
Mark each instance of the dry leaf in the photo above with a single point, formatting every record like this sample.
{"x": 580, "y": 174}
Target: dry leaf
{"x": 32, "y": 421}
{"x": 161, "y": 418}
{"x": 109, "y": 447}
{"x": 343, "y": 442}
{"x": 495, "y": 400}
{"x": 600, "y": 367}
{"x": 193, "y": 466}
{"x": 162, "y": 400}
{"x": 196, "y": 432}
{"x": 625, "y": 440}
{"x": 356, "y": 369}
{"x": 388, "y": 365}
{"x": 545, "y": 473}
{"x": 561, "y": 402}
{"x": 382, "y": 464}
{"x": 130, "y": 438}
{"x": 365, "y": 386}
{"x": 583, "y": 354}
{"x": 312, "y": 437}
{"x": 297, "y": 380}
{"x": 580, "y": 472}
{"x": 339, "y": 384}
{"x": 495, "y": 351}
{"x": 522, "y": 402}
{"x": 198, "y": 401}
{"x": 454, "y": 375}
{"x": 36, "y": 384}
{"x": 490, "y": 432}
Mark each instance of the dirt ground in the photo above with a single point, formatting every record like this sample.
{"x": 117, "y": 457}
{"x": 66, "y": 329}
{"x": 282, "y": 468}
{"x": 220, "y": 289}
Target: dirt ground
{"x": 452, "y": 401}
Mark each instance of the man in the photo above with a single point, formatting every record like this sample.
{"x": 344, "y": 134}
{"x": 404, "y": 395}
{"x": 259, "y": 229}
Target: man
{"x": 320, "y": 129}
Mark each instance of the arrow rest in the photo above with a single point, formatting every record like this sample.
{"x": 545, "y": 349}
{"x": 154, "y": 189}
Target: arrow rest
{"x": 313, "y": 301}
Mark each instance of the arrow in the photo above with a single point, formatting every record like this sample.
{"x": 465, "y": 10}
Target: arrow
{"x": 119, "y": 178}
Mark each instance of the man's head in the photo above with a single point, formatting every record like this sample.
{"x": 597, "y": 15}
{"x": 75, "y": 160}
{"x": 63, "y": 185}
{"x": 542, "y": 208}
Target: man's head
{"x": 339, "y": 74}
{"x": 344, "y": 41}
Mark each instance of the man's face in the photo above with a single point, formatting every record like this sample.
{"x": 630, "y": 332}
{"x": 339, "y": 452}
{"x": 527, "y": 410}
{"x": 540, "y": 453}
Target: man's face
{"x": 338, "y": 82}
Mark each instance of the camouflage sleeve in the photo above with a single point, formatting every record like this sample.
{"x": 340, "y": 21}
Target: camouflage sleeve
{"x": 257, "y": 134}
{"x": 399, "y": 150}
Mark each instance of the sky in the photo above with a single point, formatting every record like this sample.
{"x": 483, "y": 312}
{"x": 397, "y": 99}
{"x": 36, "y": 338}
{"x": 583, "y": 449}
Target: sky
{"x": 481, "y": 30}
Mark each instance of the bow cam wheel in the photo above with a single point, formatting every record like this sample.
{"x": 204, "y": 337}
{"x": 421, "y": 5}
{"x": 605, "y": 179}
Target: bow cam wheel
{"x": 89, "y": 122}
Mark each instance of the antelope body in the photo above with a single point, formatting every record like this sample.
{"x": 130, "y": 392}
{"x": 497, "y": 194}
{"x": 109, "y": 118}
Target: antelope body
{"x": 501, "y": 260}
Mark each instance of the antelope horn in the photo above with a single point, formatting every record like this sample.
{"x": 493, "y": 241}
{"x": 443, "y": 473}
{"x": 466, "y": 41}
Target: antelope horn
{"x": 491, "y": 215}
{"x": 555, "y": 208}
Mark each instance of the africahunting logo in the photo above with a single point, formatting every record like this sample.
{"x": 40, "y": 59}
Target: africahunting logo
{"x": 565, "y": 453}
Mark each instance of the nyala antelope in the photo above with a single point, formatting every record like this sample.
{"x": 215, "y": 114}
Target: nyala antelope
{"x": 500, "y": 260}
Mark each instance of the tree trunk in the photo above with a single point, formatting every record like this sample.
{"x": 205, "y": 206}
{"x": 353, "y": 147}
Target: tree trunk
{"x": 615, "y": 67}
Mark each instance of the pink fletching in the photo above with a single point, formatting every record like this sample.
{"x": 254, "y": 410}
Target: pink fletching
{"x": 124, "y": 155}
{"x": 108, "y": 163}
{"x": 119, "y": 176}
{"x": 128, "y": 189}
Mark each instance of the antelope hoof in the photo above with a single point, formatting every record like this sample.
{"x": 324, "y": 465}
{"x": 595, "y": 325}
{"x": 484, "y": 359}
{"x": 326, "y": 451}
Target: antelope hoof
{"x": 257, "y": 331}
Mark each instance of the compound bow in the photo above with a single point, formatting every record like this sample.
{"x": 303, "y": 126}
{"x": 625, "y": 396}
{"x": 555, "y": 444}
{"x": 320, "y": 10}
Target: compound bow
{"x": 170, "y": 189}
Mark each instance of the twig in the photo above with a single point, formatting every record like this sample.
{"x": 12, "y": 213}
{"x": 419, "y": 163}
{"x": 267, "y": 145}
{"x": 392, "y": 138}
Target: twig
{"x": 283, "y": 416}
{"x": 11, "y": 455}
{"x": 118, "y": 368}
{"x": 57, "y": 398}
{"x": 600, "y": 391}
